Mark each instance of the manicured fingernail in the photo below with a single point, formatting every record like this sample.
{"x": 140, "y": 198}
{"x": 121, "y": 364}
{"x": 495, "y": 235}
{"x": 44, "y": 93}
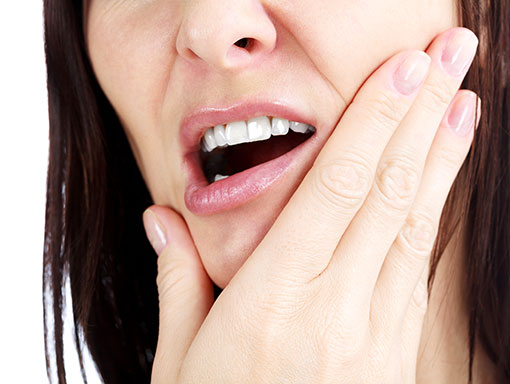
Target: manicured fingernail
{"x": 461, "y": 116}
{"x": 155, "y": 231}
{"x": 459, "y": 52}
{"x": 411, "y": 73}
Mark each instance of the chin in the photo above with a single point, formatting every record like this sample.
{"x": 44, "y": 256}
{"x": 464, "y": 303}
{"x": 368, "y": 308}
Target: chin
{"x": 225, "y": 241}
{"x": 222, "y": 266}
{"x": 223, "y": 261}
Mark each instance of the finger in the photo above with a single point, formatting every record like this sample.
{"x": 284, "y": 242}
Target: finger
{"x": 185, "y": 290}
{"x": 413, "y": 326}
{"x": 399, "y": 173}
{"x": 333, "y": 190}
{"x": 411, "y": 249}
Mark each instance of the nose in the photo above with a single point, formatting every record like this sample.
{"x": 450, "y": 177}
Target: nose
{"x": 225, "y": 34}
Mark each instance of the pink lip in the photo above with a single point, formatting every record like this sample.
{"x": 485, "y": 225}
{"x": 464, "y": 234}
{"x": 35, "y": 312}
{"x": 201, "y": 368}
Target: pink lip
{"x": 202, "y": 198}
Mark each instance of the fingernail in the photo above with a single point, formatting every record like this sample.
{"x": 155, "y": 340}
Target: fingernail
{"x": 459, "y": 52}
{"x": 411, "y": 73}
{"x": 461, "y": 116}
{"x": 155, "y": 231}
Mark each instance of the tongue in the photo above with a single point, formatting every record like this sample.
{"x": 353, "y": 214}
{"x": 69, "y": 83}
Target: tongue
{"x": 243, "y": 156}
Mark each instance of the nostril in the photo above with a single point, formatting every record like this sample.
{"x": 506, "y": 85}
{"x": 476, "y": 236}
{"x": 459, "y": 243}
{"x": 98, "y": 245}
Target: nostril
{"x": 242, "y": 43}
{"x": 242, "y": 52}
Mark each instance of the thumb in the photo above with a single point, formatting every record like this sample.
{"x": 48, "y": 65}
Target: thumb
{"x": 185, "y": 290}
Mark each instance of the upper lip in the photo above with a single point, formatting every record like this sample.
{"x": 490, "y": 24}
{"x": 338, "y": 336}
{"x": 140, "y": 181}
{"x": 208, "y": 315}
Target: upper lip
{"x": 194, "y": 125}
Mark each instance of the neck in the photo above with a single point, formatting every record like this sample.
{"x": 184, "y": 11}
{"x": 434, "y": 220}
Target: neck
{"x": 444, "y": 346}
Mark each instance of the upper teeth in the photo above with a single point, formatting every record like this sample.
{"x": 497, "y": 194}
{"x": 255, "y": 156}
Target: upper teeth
{"x": 256, "y": 129}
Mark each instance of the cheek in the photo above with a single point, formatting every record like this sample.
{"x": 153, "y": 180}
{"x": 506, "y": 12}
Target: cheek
{"x": 132, "y": 56}
{"x": 354, "y": 37}
{"x": 129, "y": 64}
{"x": 226, "y": 240}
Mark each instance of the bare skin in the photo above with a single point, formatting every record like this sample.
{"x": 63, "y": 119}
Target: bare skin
{"x": 263, "y": 246}
{"x": 335, "y": 56}
{"x": 444, "y": 346}
{"x": 295, "y": 313}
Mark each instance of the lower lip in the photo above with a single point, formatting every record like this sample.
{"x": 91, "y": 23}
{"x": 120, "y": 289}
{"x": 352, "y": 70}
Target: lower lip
{"x": 202, "y": 198}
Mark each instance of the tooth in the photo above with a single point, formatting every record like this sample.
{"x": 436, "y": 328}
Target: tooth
{"x": 259, "y": 128}
{"x": 279, "y": 126}
{"x": 311, "y": 129}
{"x": 298, "y": 127}
{"x": 219, "y": 177}
{"x": 205, "y": 146}
{"x": 219, "y": 135}
{"x": 209, "y": 139}
{"x": 236, "y": 133}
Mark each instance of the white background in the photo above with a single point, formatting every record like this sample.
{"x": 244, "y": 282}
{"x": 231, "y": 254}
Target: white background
{"x": 23, "y": 162}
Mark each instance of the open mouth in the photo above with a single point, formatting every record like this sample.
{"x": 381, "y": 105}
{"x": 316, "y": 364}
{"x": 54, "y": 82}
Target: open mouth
{"x": 238, "y": 146}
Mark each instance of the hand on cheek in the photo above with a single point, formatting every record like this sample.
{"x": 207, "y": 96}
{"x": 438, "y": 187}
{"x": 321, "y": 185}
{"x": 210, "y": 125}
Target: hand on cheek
{"x": 336, "y": 288}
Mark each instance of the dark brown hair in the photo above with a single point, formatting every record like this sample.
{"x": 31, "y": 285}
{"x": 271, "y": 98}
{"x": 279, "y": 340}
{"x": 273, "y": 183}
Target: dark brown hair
{"x": 95, "y": 199}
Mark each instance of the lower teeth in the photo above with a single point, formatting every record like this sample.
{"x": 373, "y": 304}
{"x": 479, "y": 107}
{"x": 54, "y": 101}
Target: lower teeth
{"x": 219, "y": 177}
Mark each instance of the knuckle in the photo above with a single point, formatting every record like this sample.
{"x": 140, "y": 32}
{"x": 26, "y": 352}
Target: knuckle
{"x": 384, "y": 109}
{"x": 171, "y": 278}
{"x": 397, "y": 181}
{"x": 343, "y": 183}
{"x": 438, "y": 96}
{"x": 338, "y": 333}
{"x": 450, "y": 157}
{"x": 345, "y": 343}
{"x": 420, "y": 296}
{"x": 416, "y": 238}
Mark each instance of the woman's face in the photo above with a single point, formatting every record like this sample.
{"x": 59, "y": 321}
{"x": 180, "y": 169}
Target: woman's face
{"x": 172, "y": 69}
